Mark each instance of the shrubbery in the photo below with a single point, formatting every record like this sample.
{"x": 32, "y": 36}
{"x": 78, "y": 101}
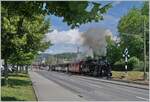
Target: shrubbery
{"x": 139, "y": 67}
{"x": 133, "y": 64}
{"x": 119, "y": 65}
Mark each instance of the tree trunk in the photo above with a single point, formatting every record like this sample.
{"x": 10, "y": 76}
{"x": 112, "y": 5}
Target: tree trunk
{"x": 26, "y": 67}
{"x": 5, "y": 72}
{"x": 17, "y": 69}
{"x": 20, "y": 68}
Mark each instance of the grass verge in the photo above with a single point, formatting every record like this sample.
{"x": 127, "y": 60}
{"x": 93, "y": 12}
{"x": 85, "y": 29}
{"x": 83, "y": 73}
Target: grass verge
{"x": 132, "y": 75}
{"x": 19, "y": 88}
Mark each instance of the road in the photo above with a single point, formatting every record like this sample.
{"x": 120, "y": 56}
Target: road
{"x": 91, "y": 90}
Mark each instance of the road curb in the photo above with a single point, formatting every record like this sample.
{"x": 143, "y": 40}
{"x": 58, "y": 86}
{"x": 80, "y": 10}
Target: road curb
{"x": 123, "y": 83}
{"x": 33, "y": 87}
{"x": 132, "y": 82}
{"x": 34, "y": 92}
{"x": 145, "y": 88}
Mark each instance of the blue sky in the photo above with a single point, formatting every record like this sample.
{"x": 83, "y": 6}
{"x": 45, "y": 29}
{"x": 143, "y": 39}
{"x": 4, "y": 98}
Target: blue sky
{"x": 110, "y": 22}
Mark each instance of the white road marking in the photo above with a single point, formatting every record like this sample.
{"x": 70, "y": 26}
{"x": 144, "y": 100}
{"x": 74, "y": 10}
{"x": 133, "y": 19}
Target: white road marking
{"x": 142, "y": 98}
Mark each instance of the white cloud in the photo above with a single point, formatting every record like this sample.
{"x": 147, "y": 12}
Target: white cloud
{"x": 111, "y": 18}
{"x": 72, "y": 36}
{"x": 116, "y": 3}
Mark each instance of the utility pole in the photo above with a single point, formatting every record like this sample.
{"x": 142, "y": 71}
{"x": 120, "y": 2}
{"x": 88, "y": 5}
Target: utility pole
{"x": 145, "y": 76}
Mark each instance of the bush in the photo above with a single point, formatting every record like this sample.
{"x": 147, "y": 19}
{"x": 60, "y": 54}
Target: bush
{"x": 133, "y": 62}
{"x": 119, "y": 65}
{"x": 141, "y": 66}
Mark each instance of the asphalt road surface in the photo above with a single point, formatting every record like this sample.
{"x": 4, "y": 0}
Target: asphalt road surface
{"x": 91, "y": 90}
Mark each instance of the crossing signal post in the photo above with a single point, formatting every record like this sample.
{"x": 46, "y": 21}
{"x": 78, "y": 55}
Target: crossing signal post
{"x": 126, "y": 56}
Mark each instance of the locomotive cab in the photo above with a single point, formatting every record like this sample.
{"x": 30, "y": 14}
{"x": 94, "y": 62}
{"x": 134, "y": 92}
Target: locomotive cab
{"x": 105, "y": 68}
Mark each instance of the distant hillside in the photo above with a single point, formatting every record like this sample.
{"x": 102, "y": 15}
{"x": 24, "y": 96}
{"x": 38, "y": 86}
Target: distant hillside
{"x": 61, "y": 56}
{"x": 66, "y": 55}
{"x": 44, "y": 55}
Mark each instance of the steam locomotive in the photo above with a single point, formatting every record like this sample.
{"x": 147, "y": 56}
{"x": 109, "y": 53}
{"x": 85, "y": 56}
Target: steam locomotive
{"x": 92, "y": 67}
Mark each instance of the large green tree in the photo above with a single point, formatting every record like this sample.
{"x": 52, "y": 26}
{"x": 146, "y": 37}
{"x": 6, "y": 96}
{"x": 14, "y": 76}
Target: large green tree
{"x": 30, "y": 43}
{"x": 131, "y": 29}
{"x": 22, "y": 36}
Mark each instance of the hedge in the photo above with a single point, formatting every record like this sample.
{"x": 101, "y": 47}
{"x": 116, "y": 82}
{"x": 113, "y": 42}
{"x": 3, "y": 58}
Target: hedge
{"x": 133, "y": 64}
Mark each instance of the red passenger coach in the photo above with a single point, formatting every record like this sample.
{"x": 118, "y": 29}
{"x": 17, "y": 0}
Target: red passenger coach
{"x": 75, "y": 67}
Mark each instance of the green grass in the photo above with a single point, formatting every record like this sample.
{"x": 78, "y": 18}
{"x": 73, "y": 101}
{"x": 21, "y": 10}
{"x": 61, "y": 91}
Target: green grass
{"x": 132, "y": 75}
{"x": 19, "y": 88}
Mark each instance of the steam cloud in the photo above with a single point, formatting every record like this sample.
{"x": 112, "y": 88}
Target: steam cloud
{"x": 95, "y": 40}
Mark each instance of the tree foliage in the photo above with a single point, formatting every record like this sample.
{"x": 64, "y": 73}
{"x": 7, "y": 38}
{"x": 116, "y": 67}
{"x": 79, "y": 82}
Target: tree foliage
{"x": 22, "y": 34}
{"x": 74, "y": 13}
{"x": 131, "y": 30}
{"x": 114, "y": 51}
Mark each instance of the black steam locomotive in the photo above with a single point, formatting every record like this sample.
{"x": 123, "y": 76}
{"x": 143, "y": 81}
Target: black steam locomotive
{"x": 92, "y": 67}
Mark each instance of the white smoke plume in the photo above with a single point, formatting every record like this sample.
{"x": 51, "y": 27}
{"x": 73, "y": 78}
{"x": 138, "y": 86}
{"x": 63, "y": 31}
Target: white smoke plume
{"x": 95, "y": 39}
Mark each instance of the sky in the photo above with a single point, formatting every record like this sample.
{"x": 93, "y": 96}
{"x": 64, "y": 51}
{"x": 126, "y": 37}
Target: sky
{"x": 65, "y": 39}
